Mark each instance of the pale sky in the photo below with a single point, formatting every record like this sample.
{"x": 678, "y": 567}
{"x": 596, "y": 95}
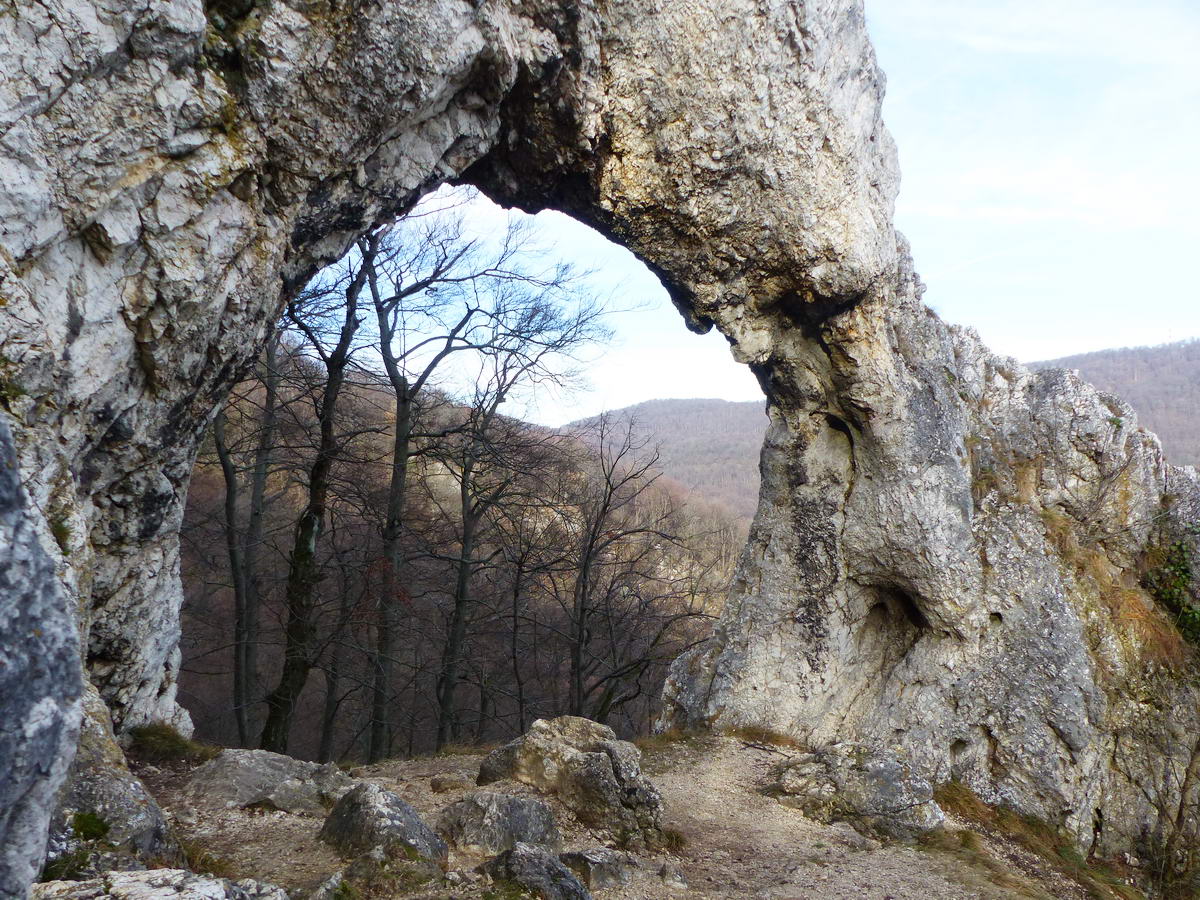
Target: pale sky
{"x": 1050, "y": 182}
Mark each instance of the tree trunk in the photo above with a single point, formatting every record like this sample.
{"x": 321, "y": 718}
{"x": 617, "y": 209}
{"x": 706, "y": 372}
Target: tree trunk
{"x": 380, "y": 733}
{"x": 514, "y": 646}
{"x": 300, "y": 633}
{"x": 238, "y": 574}
{"x": 456, "y": 636}
{"x": 253, "y": 537}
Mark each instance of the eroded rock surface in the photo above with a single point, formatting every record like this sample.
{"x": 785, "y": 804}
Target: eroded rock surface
{"x": 370, "y": 818}
{"x": 158, "y": 884}
{"x": 105, "y": 818}
{"x": 593, "y": 773}
{"x": 271, "y": 780}
{"x": 869, "y": 788}
{"x": 537, "y": 872}
{"x": 487, "y": 822}
{"x": 947, "y": 547}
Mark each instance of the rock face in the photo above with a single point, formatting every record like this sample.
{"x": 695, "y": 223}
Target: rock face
{"x": 370, "y": 818}
{"x": 949, "y": 556}
{"x": 262, "y": 778}
{"x": 172, "y": 170}
{"x": 158, "y": 884}
{"x": 871, "y": 789}
{"x": 596, "y": 775}
{"x": 486, "y": 822}
{"x": 105, "y": 818}
{"x": 40, "y": 685}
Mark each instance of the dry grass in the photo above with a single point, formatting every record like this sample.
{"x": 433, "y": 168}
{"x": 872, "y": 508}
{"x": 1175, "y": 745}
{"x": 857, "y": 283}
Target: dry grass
{"x": 967, "y": 846}
{"x": 204, "y": 862}
{"x": 1158, "y": 637}
{"x": 160, "y": 743}
{"x": 754, "y": 734}
{"x": 1097, "y": 877}
{"x": 1060, "y": 531}
{"x": 664, "y": 739}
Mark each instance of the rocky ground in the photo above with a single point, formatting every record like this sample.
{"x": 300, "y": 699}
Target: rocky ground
{"x": 730, "y": 838}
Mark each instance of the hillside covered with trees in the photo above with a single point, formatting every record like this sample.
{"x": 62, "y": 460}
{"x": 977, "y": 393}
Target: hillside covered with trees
{"x": 1161, "y": 383}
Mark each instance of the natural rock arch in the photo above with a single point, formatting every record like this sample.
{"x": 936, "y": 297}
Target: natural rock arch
{"x": 176, "y": 168}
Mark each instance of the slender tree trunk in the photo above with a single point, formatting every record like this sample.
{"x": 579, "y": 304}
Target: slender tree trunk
{"x": 253, "y": 537}
{"x": 380, "y": 733}
{"x": 457, "y": 633}
{"x": 233, "y": 547}
{"x": 481, "y": 722}
{"x": 300, "y": 633}
{"x": 514, "y": 646}
{"x": 329, "y": 713}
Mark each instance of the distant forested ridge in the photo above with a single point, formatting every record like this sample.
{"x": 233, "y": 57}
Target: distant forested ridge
{"x": 1161, "y": 383}
{"x": 710, "y": 447}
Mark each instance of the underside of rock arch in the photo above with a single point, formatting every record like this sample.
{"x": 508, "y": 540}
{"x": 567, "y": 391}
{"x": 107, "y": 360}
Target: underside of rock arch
{"x": 942, "y": 540}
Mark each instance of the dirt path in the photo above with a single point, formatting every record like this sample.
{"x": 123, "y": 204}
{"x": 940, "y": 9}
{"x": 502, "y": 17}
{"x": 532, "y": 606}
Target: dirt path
{"x": 740, "y": 843}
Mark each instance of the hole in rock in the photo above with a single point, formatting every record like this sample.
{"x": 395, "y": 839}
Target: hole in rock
{"x": 382, "y": 551}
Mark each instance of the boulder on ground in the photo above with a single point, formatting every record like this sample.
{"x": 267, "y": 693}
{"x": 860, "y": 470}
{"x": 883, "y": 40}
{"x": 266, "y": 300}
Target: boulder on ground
{"x": 157, "y": 884}
{"x": 262, "y": 778}
{"x": 600, "y": 868}
{"x": 536, "y": 871}
{"x": 596, "y": 775}
{"x": 106, "y": 819}
{"x": 485, "y": 822}
{"x": 370, "y": 818}
{"x": 870, "y": 789}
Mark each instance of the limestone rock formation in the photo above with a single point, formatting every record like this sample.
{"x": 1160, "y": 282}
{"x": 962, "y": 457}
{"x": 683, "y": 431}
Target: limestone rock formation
{"x": 486, "y": 822}
{"x": 593, "y": 773}
{"x": 871, "y": 789}
{"x": 157, "y": 884}
{"x": 173, "y": 170}
{"x": 950, "y": 556}
{"x": 261, "y": 778}
{"x": 370, "y": 818}
{"x": 39, "y": 681}
{"x": 105, "y": 819}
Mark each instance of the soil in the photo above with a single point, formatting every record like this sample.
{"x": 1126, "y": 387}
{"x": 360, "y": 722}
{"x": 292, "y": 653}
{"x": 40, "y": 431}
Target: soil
{"x": 738, "y": 842}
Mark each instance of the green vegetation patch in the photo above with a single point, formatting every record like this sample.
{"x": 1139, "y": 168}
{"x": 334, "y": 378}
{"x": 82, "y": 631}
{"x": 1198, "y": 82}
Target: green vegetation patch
{"x": 1169, "y": 579}
{"x": 159, "y": 742}
{"x": 88, "y": 826}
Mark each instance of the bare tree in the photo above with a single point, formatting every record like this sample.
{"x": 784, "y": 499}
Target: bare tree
{"x": 327, "y": 315}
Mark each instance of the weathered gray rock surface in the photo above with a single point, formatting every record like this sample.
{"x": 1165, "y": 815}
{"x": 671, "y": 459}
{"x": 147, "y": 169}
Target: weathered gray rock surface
{"x": 370, "y": 818}
{"x": 593, "y": 773}
{"x": 487, "y": 822}
{"x": 157, "y": 884}
{"x": 536, "y": 871}
{"x": 600, "y": 868}
{"x": 869, "y": 788}
{"x": 173, "y": 169}
{"x": 105, "y": 818}
{"x": 262, "y": 778}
